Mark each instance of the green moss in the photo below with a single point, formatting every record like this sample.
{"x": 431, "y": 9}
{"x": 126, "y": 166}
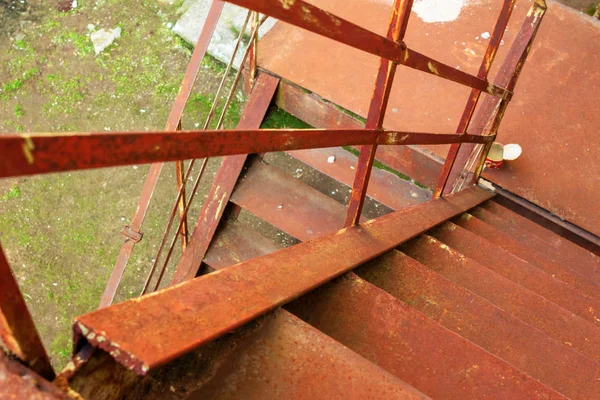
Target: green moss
{"x": 277, "y": 118}
{"x": 379, "y": 165}
{"x": 212, "y": 64}
{"x": 590, "y": 9}
{"x": 13, "y": 193}
{"x": 18, "y": 111}
{"x": 66, "y": 93}
{"x": 83, "y": 45}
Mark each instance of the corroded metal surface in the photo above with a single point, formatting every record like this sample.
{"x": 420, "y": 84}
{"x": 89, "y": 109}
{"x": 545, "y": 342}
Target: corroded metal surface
{"x": 543, "y": 314}
{"x": 517, "y": 270}
{"x": 377, "y": 107}
{"x": 19, "y": 382}
{"x": 587, "y": 267}
{"x": 535, "y": 258}
{"x": 556, "y": 71}
{"x": 18, "y": 333}
{"x": 403, "y": 341}
{"x": 290, "y": 205}
{"x": 38, "y": 153}
{"x": 219, "y": 302}
{"x": 484, "y": 68}
{"x": 567, "y": 247}
{"x": 287, "y": 358}
{"x": 225, "y": 180}
{"x": 384, "y": 187}
{"x": 485, "y": 324}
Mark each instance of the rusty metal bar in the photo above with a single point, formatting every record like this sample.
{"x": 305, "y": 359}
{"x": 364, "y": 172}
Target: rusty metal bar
{"x": 183, "y": 232}
{"x": 484, "y": 68}
{"x": 238, "y": 75}
{"x": 309, "y": 17}
{"x": 18, "y": 333}
{"x": 381, "y": 93}
{"x": 226, "y": 73}
{"x": 38, "y": 153}
{"x": 172, "y": 245}
{"x": 492, "y": 110}
{"x": 225, "y": 180}
{"x": 253, "y": 64}
{"x": 152, "y": 178}
{"x": 192, "y": 313}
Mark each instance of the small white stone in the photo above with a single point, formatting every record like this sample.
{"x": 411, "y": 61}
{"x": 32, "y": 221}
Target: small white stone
{"x": 135, "y": 167}
{"x": 280, "y": 206}
{"x": 485, "y": 35}
{"x": 331, "y": 159}
{"x": 142, "y": 110}
{"x": 91, "y": 27}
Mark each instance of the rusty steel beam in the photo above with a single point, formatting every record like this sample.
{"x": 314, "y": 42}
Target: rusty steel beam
{"x": 21, "y": 383}
{"x": 484, "y": 68}
{"x": 148, "y": 332}
{"x": 27, "y": 154}
{"x": 225, "y": 180}
{"x": 490, "y": 115}
{"x": 18, "y": 333}
{"x": 173, "y": 122}
{"x": 309, "y": 17}
{"x": 383, "y": 86}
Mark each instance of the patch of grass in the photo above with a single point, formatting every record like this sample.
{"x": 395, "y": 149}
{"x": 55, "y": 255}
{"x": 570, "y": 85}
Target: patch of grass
{"x": 590, "y": 9}
{"x": 83, "y": 45}
{"x": 14, "y": 85}
{"x": 66, "y": 93}
{"x": 19, "y": 111}
{"x": 212, "y": 64}
{"x": 13, "y": 193}
{"x": 279, "y": 119}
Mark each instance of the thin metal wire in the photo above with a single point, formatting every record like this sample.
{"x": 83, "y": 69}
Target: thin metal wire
{"x": 168, "y": 228}
{"x": 185, "y": 211}
{"x": 229, "y": 65}
{"x": 203, "y": 166}
{"x": 239, "y": 74}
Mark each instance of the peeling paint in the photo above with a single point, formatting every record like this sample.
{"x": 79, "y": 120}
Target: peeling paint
{"x": 287, "y": 4}
{"x": 28, "y": 147}
{"x": 432, "y": 68}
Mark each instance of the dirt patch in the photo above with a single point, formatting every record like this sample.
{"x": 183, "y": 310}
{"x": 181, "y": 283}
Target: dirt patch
{"x": 61, "y": 232}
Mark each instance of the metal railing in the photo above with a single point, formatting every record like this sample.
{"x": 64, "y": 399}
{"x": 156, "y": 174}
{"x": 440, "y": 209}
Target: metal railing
{"x": 42, "y": 153}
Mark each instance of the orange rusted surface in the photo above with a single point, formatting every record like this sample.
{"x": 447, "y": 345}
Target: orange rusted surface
{"x": 550, "y": 115}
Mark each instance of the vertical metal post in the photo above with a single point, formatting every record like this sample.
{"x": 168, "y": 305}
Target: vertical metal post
{"x": 484, "y": 69}
{"x": 381, "y": 93}
{"x": 17, "y": 330}
{"x": 492, "y": 110}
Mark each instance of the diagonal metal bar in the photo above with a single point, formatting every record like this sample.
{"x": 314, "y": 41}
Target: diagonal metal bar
{"x": 197, "y": 311}
{"x": 381, "y": 93}
{"x": 18, "y": 333}
{"x": 309, "y": 17}
{"x": 152, "y": 178}
{"x": 38, "y": 153}
{"x": 492, "y": 110}
{"x": 225, "y": 180}
{"x": 484, "y": 69}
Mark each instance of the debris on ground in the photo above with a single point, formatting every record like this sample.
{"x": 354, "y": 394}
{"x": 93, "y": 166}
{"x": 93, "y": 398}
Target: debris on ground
{"x": 103, "y": 38}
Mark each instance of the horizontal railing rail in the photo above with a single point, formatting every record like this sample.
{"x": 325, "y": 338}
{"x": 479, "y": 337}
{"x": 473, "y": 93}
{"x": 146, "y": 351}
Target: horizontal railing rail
{"x": 41, "y": 153}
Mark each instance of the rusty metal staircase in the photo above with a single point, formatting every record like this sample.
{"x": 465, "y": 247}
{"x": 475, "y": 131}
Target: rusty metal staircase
{"x": 477, "y": 304}
{"x": 446, "y": 296}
